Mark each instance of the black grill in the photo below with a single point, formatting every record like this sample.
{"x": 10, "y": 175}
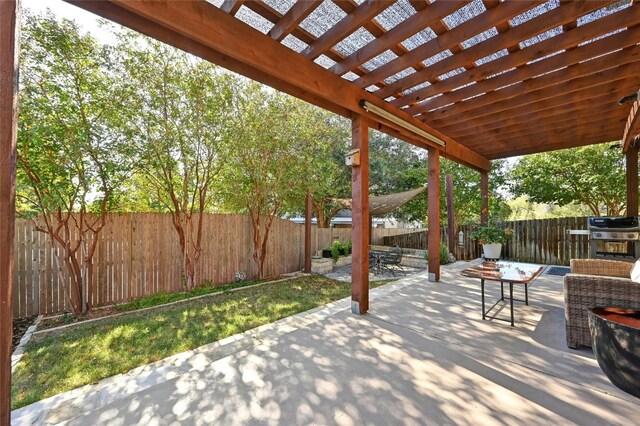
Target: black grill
{"x": 614, "y": 237}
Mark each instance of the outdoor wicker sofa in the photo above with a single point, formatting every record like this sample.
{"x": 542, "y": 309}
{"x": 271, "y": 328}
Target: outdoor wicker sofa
{"x": 595, "y": 282}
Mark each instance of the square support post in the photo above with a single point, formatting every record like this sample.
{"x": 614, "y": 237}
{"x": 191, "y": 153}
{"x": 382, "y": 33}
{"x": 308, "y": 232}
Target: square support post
{"x": 360, "y": 217}
{"x": 9, "y": 40}
{"x": 307, "y": 233}
{"x": 632, "y": 180}
{"x": 484, "y": 194}
{"x": 433, "y": 236}
{"x": 451, "y": 221}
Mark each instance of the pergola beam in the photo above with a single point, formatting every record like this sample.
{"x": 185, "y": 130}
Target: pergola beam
{"x": 9, "y": 57}
{"x": 204, "y": 24}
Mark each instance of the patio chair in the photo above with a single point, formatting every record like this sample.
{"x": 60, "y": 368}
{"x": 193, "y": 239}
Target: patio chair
{"x": 392, "y": 261}
{"x": 595, "y": 282}
{"x": 374, "y": 262}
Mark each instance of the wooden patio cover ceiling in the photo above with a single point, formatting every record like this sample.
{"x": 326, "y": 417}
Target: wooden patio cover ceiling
{"x": 491, "y": 78}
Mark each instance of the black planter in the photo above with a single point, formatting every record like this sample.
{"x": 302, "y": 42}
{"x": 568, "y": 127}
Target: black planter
{"x": 326, "y": 254}
{"x": 616, "y": 345}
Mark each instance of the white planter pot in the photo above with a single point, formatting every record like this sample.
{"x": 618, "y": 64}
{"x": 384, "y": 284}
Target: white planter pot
{"x": 492, "y": 251}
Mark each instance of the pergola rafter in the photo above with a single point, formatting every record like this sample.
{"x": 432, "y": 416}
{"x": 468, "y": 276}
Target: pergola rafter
{"x": 427, "y": 16}
{"x": 532, "y": 53}
{"x": 292, "y": 18}
{"x": 508, "y": 39}
{"x": 360, "y": 16}
{"x": 535, "y": 100}
{"x": 444, "y": 42}
{"x": 524, "y": 78}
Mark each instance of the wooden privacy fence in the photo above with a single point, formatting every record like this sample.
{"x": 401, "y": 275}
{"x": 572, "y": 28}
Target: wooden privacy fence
{"x": 545, "y": 241}
{"x": 138, "y": 255}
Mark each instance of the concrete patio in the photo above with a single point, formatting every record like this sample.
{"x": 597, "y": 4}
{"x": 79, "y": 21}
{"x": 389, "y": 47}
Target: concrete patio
{"x": 422, "y": 355}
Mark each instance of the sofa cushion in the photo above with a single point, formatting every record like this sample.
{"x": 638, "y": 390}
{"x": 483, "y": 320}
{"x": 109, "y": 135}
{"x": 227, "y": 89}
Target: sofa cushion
{"x": 635, "y": 271}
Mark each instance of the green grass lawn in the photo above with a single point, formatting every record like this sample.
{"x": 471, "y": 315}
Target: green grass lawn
{"x": 87, "y": 353}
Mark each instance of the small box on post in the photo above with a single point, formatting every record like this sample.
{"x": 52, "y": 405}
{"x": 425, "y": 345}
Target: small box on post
{"x": 352, "y": 158}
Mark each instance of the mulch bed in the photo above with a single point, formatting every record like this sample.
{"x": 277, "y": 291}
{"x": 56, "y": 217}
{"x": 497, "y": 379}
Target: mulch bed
{"x": 20, "y": 326}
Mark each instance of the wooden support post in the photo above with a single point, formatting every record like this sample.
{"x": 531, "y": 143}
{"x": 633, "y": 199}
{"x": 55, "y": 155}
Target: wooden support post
{"x": 484, "y": 193}
{"x": 451, "y": 220}
{"x": 360, "y": 217}
{"x": 632, "y": 181}
{"x": 9, "y": 39}
{"x": 433, "y": 236}
{"x": 307, "y": 233}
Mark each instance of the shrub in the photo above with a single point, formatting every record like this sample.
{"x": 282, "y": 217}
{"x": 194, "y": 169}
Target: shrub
{"x": 444, "y": 254}
{"x": 338, "y": 249}
{"x": 492, "y": 235}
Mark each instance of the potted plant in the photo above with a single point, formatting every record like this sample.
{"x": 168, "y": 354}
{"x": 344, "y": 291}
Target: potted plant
{"x": 492, "y": 237}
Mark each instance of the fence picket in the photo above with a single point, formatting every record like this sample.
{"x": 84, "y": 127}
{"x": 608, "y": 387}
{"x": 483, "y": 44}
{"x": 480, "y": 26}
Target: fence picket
{"x": 138, "y": 254}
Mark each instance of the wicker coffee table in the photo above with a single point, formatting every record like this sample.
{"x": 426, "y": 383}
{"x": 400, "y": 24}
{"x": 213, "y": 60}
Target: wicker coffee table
{"x": 504, "y": 272}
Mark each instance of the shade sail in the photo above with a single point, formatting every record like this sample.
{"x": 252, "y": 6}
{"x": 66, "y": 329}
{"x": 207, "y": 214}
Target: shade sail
{"x": 383, "y": 204}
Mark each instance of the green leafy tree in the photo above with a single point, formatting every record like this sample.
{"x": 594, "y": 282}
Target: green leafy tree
{"x": 397, "y": 166}
{"x": 593, "y": 176}
{"x": 523, "y": 209}
{"x": 267, "y": 171}
{"x": 181, "y": 111}
{"x": 328, "y": 177}
{"x": 413, "y": 173}
{"x": 72, "y": 154}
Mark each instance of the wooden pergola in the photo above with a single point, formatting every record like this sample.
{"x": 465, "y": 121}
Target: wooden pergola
{"x": 468, "y": 80}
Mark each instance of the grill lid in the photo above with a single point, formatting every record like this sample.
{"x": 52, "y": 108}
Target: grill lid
{"x": 630, "y": 222}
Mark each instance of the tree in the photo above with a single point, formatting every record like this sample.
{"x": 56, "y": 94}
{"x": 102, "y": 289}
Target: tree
{"x": 71, "y": 151}
{"x": 270, "y": 164}
{"x": 397, "y": 166}
{"x": 328, "y": 176}
{"x": 181, "y": 111}
{"x": 592, "y": 175}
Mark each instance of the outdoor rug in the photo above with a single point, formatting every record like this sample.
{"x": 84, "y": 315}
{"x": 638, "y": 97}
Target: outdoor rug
{"x": 560, "y": 271}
